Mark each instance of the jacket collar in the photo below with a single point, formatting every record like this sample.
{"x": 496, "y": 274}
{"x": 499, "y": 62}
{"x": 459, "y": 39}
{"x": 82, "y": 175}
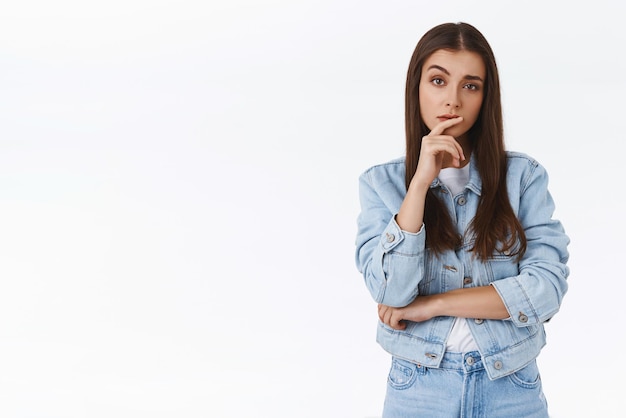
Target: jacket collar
{"x": 475, "y": 183}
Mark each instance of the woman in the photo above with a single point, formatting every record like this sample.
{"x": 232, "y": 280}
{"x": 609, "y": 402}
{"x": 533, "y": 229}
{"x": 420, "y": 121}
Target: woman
{"x": 457, "y": 245}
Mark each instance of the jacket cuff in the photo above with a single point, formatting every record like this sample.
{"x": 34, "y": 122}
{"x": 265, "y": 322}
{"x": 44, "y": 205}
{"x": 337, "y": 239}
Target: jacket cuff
{"x": 395, "y": 239}
{"x": 516, "y": 301}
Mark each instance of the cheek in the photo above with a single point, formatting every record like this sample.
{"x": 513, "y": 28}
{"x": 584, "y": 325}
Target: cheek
{"x": 425, "y": 115}
{"x": 475, "y": 109}
{"x": 427, "y": 118}
{"x": 427, "y": 95}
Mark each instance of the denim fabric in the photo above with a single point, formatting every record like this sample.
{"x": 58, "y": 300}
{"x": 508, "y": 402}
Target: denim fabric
{"x": 460, "y": 388}
{"x": 397, "y": 266}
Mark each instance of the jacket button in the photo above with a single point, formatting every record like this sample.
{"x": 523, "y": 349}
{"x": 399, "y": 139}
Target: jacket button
{"x": 522, "y": 318}
{"x": 497, "y": 365}
{"x": 461, "y": 201}
{"x": 478, "y": 321}
{"x": 390, "y": 237}
{"x": 467, "y": 280}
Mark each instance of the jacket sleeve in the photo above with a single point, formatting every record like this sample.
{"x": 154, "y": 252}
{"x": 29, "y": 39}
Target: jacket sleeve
{"x": 390, "y": 259}
{"x": 536, "y": 293}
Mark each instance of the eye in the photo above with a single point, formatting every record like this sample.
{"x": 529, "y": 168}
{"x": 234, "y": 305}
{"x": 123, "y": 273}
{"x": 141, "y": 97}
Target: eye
{"x": 471, "y": 86}
{"x": 437, "y": 81}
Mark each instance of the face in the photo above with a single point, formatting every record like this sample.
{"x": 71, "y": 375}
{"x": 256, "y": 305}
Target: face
{"x": 451, "y": 85}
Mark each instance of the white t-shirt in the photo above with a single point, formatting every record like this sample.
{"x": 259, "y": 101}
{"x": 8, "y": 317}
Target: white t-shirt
{"x": 460, "y": 339}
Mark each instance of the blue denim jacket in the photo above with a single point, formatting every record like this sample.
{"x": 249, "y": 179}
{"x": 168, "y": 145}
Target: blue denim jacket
{"x": 397, "y": 266}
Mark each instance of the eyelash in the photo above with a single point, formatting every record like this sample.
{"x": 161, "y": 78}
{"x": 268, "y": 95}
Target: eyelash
{"x": 439, "y": 82}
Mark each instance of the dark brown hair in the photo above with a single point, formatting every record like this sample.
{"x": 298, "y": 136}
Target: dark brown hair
{"x": 495, "y": 226}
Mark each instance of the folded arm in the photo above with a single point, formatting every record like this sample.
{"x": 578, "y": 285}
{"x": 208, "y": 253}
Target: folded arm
{"x": 475, "y": 302}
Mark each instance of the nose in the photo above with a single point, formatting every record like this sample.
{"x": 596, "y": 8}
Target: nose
{"x": 454, "y": 99}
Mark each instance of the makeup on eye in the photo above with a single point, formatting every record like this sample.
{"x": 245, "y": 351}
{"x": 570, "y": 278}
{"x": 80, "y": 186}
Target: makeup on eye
{"x": 438, "y": 81}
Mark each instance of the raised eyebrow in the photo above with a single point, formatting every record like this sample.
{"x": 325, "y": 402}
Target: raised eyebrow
{"x": 440, "y": 68}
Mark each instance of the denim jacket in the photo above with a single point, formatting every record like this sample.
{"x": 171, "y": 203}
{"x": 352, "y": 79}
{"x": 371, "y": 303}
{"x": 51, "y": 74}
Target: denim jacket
{"x": 397, "y": 266}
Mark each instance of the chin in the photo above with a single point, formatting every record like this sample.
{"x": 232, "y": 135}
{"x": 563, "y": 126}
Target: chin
{"x": 456, "y": 131}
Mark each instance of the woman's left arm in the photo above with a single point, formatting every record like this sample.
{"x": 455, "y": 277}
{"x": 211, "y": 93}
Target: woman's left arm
{"x": 474, "y": 302}
{"x": 535, "y": 294}
{"x": 531, "y": 297}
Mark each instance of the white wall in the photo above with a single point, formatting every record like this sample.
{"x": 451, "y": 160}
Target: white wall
{"x": 178, "y": 198}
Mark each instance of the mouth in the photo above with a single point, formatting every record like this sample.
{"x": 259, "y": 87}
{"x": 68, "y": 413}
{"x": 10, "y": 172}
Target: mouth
{"x": 447, "y": 116}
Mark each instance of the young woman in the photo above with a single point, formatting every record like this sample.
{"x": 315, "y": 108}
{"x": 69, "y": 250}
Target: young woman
{"x": 457, "y": 245}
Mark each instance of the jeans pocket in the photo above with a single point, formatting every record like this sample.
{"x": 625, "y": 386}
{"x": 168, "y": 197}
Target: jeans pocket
{"x": 527, "y": 378}
{"x": 402, "y": 374}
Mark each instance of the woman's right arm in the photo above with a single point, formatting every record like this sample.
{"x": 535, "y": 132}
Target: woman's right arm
{"x": 390, "y": 259}
{"x": 391, "y": 247}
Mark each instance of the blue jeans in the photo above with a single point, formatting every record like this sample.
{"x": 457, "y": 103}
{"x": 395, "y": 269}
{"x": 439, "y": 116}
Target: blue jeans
{"x": 460, "y": 388}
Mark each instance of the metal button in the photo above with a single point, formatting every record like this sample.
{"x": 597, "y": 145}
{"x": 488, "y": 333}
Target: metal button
{"x": 522, "y": 318}
{"x": 470, "y": 360}
{"x": 462, "y": 200}
{"x": 390, "y": 237}
{"x": 506, "y": 252}
{"x": 467, "y": 280}
{"x": 478, "y": 321}
{"x": 497, "y": 364}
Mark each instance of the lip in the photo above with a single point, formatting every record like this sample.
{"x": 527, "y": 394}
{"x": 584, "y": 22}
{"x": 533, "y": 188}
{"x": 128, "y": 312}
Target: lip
{"x": 447, "y": 116}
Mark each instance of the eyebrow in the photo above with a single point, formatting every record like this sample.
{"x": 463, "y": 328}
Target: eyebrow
{"x": 467, "y": 77}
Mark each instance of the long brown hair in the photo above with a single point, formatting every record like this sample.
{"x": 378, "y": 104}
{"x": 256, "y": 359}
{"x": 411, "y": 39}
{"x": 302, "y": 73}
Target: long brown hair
{"x": 495, "y": 226}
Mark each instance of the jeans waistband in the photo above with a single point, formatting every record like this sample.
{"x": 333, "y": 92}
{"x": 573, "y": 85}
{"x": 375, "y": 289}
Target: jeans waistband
{"x": 468, "y": 362}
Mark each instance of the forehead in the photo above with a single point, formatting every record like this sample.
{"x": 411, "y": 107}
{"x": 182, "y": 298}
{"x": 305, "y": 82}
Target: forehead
{"x": 459, "y": 63}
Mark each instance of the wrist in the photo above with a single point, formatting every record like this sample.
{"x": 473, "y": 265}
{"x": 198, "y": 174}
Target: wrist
{"x": 436, "y": 305}
{"x": 419, "y": 186}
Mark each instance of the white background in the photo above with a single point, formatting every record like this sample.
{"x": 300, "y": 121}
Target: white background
{"x": 178, "y": 198}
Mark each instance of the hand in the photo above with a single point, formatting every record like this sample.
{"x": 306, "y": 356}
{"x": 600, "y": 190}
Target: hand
{"x": 392, "y": 317}
{"x": 438, "y": 149}
{"x": 417, "y": 311}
